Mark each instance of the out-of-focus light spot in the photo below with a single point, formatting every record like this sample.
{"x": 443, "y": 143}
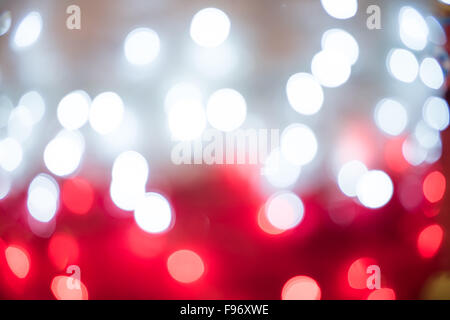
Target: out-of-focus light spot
{"x": 187, "y": 120}
{"x": 182, "y": 93}
{"x": 279, "y": 172}
{"x": 391, "y": 117}
{"x": 125, "y": 196}
{"x": 427, "y": 137}
{"x": 10, "y": 154}
{"x": 6, "y": 108}
{"x": 437, "y": 33}
{"x": 382, "y": 294}
{"x": 63, "y": 250}
{"x": 153, "y": 213}
{"x": 431, "y": 73}
{"x": 5, "y": 185}
{"x": 18, "y": 261}
{"x": 28, "y": 30}
{"x": 393, "y": 155}
{"x": 43, "y": 198}
{"x": 413, "y": 29}
{"x": 185, "y": 266}
{"x": 68, "y": 288}
{"x": 20, "y": 123}
{"x": 73, "y": 110}
{"x": 34, "y": 102}
{"x": 298, "y": 144}
{"x": 410, "y": 192}
{"x": 5, "y": 22}
{"x": 41, "y": 229}
{"x": 304, "y": 93}
{"x": 142, "y": 46}
{"x": 210, "y": 27}
{"x": 434, "y": 186}
{"x": 403, "y": 65}
{"x": 143, "y": 244}
{"x": 301, "y": 288}
{"x": 430, "y": 240}
{"x": 343, "y": 9}
{"x": 218, "y": 62}
{"x": 434, "y": 153}
{"x": 226, "y": 110}
{"x": 435, "y": 113}
{"x": 357, "y": 273}
{"x": 285, "y": 210}
{"x": 63, "y": 154}
{"x": 374, "y": 189}
{"x": 77, "y": 195}
{"x": 445, "y": 1}
{"x": 331, "y": 68}
{"x": 338, "y": 40}
{"x": 106, "y": 113}
{"x": 413, "y": 152}
{"x": 349, "y": 175}
{"x": 265, "y": 224}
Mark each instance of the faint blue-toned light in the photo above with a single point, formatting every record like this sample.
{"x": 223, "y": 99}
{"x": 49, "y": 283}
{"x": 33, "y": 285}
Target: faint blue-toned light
{"x": 34, "y": 102}
{"x": 349, "y": 175}
{"x": 342, "y": 9}
{"x": 28, "y": 30}
{"x": 299, "y": 144}
{"x": 331, "y": 68}
{"x": 210, "y": 27}
{"x": 403, "y": 65}
{"x": 413, "y": 28}
{"x": 20, "y": 123}
{"x": 425, "y": 135}
{"x": 226, "y": 110}
{"x": 6, "y": 108}
{"x": 5, "y": 184}
{"x": 43, "y": 198}
{"x": 5, "y": 22}
{"x": 304, "y": 93}
{"x": 279, "y": 172}
{"x": 437, "y": 33}
{"x": 73, "y": 110}
{"x": 413, "y": 152}
{"x": 374, "y": 189}
{"x": 431, "y": 73}
{"x": 436, "y": 113}
{"x": 11, "y": 154}
{"x": 391, "y": 117}
{"x": 338, "y": 40}
{"x": 142, "y": 46}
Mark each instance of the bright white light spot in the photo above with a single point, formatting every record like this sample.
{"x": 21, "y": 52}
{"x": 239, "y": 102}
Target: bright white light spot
{"x": 342, "y": 9}
{"x": 106, "y": 113}
{"x": 226, "y": 110}
{"x": 142, "y": 46}
{"x": 431, "y": 73}
{"x": 63, "y": 154}
{"x": 187, "y": 120}
{"x": 10, "y": 154}
{"x": 5, "y": 185}
{"x": 338, "y": 40}
{"x": 349, "y": 176}
{"x": 436, "y": 114}
{"x": 6, "y": 108}
{"x": 130, "y": 167}
{"x": 426, "y": 136}
{"x": 125, "y": 195}
{"x": 20, "y": 123}
{"x": 43, "y": 198}
{"x": 279, "y": 172}
{"x": 413, "y": 152}
{"x": 153, "y": 213}
{"x": 304, "y": 93}
{"x": 331, "y": 68}
{"x": 391, "y": 117}
{"x": 403, "y": 65}
{"x": 298, "y": 144}
{"x": 437, "y": 33}
{"x": 285, "y": 210}
{"x": 28, "y": 30}
{"x": 73, "y": 110}
{"x": 34, "y": 102}
{"x": 183, "y": 92}
{"x": 413, "y": 29}
{"x": 210, "y": 27}
{"x": 374, "y": 189}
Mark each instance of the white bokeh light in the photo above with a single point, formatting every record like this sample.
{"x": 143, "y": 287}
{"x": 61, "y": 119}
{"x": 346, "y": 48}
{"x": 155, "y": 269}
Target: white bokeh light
{"x": 285, "y": 210}
{"x": 11, "y": 154}
{"x": 20, "y": 123}
{"x": 187, "y": 120}
{"x": 183, "y": 92}
{"x": 426, "y": 136}
{"x": 304, "y": 93}
{"x": 125, "y": 195}
{"x": 5, "y": 184}
{"x": 338, "y": 40}
{"x": 342, "y": 9}
{"x": 28, "y": 30}
{"x": 142, "y": 46}
{"x": 73, "y": 110}
{"x": 413, "y": 152}
{"x": 436, "y": 113}
{"x": 374, "y": 189}
{"x": 210, "y": 27}
{"x": 349, "y": 175}
{"x": 63, "y": 154}
{"x": 298, "y": 144}
{"x": 413, "y": 29}
{"x": 391, "y": 117}
{"x": 6, "y": 107}
{"x": 5, "y": 22}
{"x": 43, "y": 198}
{"x": 34, "y": 102}
{"x": 106, "y": 113}
{"x": 279, "y": 172}
{"x": 437, "y": 33}
{"x": 130, "y": 167}
{"x": 331, "y": 68}
{"x": 431, "y": 73}
{"x": 403, "y": 65}
{"x": 226, "y": 110}
{"x": 153, "y": 213}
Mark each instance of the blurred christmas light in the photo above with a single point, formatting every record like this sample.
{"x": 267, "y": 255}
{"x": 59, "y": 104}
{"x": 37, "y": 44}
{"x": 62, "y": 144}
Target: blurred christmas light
{"x": 413, "y": 28}
{"x": 301, "y": 288}
{"x": 279, "y": 172}
{"x": 20, "y": 123}
{"x": 304, "y": 93}
{"x": 182, "y": 93}
{"x": 153, "y": 213}
{"x": 226, "y": 110}
{"x": 185, "y": 266}
{"x": 43, "y": 198}
{"x": 187, "y": 120}
{"x": 28, "y": 30}
{"x": 6, "y": 107}
{"x": 331, "y": 68}
{"x": 403, "y": 65}
{"x": 374, "y": 189}
{"x": 437, "y": 33}
{"x": 427, "y": 137}
{"x": 18, "y": 260}
{"x": 264, "y": 223}
{"x": 382, "y": 294}
{"x": 434, "y": 186}
{"x": 210, "y": 27}
{"x": 299, "y": 144}
{"x": 338, "y": 40}
{"x": 391, "y": 117}
{"x": 435, "y": 113}
{"x": 77, "y": 195}
{"x": 430, "y": 240}
{"x": 106, "y": 113}
{"x": 63, "y": 291}
{"x": 357, "y": 273}
{"x": 63, "y": 250}
{"x": 142, "y": 46}
{"x": 431, "y": 73}
{"x": 285, "y": 210}
{"x": 413, "y": 152}
{"x": 5, "y": 22}
{"x": 73, "y": 110}
{"x": 342, "y": 9}
{"x": 349, "y": 175}
{"x": 11, "y": 154}
{"x": 5, "y": 185}
{"x": 35, "y": 104}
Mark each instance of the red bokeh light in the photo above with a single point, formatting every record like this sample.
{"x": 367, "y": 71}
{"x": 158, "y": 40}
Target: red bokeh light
{"x": 382, "y": 294}
{"x": 185, "y": 266}
{"x": 77, "y": 195}
{"x": 18, "y": 261}
{"x": 434, "y": 186}
{"x": 301, "y": 288}
{"x": 67, "y": 288}
{"x": 393, "y": 155}
{"x": 63, "y": 250}
{"x": 430, "y": 240}
{"x": 265, "y": 224}
{"x": 357, "y": 273}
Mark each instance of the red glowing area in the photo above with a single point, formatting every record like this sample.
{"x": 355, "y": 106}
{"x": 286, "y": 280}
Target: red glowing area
{"x": 301, "y": 288}
{"x": 434, "y": 186}
{"x": 382, "y": 294}
{"x": 63, "y": 250}
{"x": 185, "y": 266}
{"x": 143, "y": 244}
{"x": 18, "y": 261}
{"x": 430, "y": 240}
{"x": 265, "y": 224}
{"x": 393, "y": 155}
{"x": 357, "y": 273}
{"x": 68, "y": 288}
{"x": 77, "y": 195}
